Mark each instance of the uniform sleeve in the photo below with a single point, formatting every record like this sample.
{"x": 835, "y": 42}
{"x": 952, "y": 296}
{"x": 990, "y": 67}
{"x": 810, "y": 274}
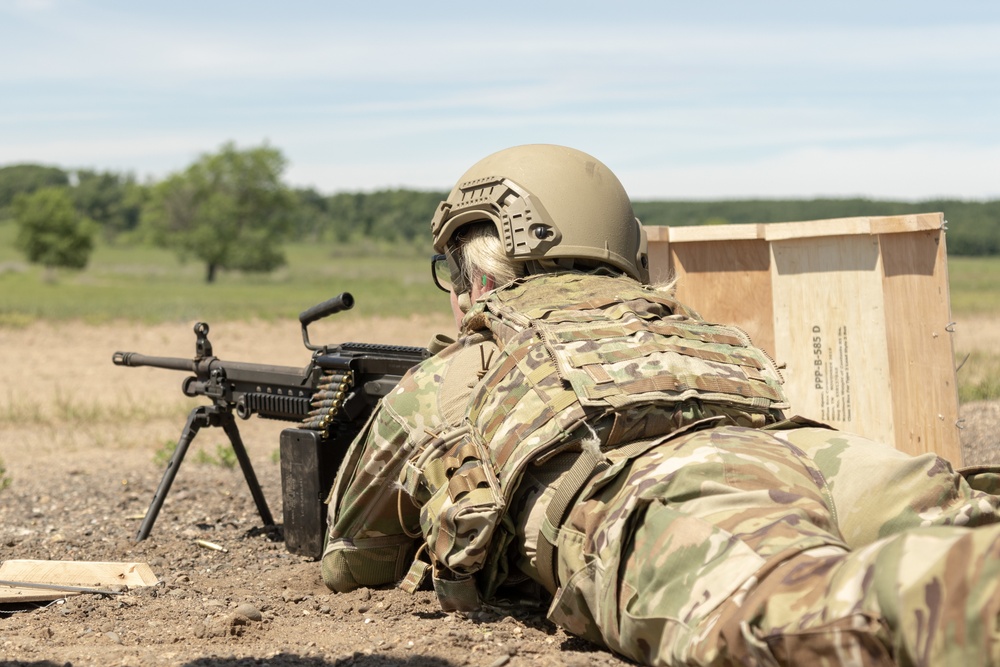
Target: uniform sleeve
{"x": 367, "y": 543}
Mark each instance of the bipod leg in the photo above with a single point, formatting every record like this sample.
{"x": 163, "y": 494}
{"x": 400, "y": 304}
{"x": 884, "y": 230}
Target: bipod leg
{"x": 200, "y": 416}
{"x": 229, "y": 426}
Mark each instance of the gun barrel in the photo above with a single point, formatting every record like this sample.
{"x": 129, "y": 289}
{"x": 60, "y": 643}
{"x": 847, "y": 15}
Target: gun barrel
{"x": 134, "y": 359}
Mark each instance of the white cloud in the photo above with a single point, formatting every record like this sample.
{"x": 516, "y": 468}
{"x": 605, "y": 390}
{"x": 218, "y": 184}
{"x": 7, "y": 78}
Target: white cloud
{"x": 149, "y": 155}
{"x": 141, "y": 48}
{"x": 28, "y": 5}
{"x": 910, "y": 173}
{"x": 686, "y": 105}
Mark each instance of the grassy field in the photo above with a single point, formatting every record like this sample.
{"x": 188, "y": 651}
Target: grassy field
{"x": 975, "y": 285}
{"x": 141, "y": 284}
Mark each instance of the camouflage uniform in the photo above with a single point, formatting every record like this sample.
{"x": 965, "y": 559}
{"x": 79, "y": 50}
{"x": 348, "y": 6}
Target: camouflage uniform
{"x": 702, "y": 528}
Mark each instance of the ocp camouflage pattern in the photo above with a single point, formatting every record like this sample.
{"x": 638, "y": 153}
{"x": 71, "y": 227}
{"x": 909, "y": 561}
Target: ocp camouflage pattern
{"x": 750, "y": 541}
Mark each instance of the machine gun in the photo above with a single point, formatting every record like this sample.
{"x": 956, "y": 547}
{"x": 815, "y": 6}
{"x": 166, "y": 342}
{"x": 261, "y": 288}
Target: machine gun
{"x": 330, "y": 398}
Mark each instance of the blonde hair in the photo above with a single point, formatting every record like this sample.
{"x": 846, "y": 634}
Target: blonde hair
{"x": 483, "y": 255}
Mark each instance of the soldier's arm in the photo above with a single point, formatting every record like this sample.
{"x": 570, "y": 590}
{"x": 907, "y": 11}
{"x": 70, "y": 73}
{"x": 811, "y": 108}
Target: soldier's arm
{"x": 374, "y": 527}
{"x": 367, "y": 544}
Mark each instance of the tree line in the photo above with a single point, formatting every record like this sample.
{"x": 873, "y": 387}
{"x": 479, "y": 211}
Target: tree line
{"x": 973, "y": 226}
{"x": 231, "y": 210}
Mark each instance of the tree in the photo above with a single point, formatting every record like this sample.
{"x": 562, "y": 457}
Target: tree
{"x": 229, "y": 209}
{"x": 388, "y": 215}
{"x": 312, "y": 219}
{"x": 50, "y": 231}
{"x": 113, "y": 201}
{"x": 26, "y": 178}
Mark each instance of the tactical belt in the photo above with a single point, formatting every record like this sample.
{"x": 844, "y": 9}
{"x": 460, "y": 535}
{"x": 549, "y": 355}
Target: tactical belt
{"x": 590, "y": 463}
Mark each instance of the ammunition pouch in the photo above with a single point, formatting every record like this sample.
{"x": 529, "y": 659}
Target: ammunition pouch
{"x": 463, "y": 509}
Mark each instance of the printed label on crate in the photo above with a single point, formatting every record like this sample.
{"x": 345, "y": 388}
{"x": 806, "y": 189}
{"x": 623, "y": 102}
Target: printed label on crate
{"x": 832, "y": 373}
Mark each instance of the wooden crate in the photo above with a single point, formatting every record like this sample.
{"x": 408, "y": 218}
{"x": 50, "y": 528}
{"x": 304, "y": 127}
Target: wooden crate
{"x": 857, "y": 309}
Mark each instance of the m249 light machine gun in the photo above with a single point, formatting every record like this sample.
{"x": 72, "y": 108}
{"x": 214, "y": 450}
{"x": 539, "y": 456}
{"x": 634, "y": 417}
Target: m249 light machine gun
{"x": 330, "y": 398}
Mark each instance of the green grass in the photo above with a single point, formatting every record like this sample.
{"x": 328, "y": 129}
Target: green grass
{"x": 979, "y": 376}
{"x": 146, "y": 284}
{"x": 974, "y": 284}
{"x": 4, "y": 477}
{"x": 223, "y": 457}
{"x": 140, "y": 283}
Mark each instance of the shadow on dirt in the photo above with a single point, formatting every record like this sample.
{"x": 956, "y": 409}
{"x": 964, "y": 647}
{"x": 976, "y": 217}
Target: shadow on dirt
{"x": 355, "y": 660}
{"x": 286, "y": 660}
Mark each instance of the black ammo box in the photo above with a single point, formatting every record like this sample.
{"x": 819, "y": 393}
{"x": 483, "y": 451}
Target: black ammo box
{"x": 308, "y": 466}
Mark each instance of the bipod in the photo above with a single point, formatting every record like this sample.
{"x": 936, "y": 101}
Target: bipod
{"x": 205, "y": 415}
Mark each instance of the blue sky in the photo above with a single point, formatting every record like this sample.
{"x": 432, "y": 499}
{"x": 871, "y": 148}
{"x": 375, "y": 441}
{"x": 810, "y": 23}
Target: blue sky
{"x": 681, "y": 99}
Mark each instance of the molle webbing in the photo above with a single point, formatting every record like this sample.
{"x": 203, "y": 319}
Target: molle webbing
{"x": 619, "y": 344}
{"x": 547, "y": 407}
{"x": 465, "y": 502}
{"x": 573, "y": 350}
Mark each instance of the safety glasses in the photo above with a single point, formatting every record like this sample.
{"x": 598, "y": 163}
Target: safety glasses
{"x": 448, "y": 274}
{"x": 441, "y": 273}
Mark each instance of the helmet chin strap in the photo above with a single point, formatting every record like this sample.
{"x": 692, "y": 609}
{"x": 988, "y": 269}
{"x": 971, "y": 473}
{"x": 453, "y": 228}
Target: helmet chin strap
{"x": 464, "y": 302}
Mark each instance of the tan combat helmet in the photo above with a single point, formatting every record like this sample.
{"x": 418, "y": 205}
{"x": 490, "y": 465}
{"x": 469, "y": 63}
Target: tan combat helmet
{"x": 553, "y": 205}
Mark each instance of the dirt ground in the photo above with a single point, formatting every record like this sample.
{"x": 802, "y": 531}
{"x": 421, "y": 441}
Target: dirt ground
{"x": 78, "y": 437}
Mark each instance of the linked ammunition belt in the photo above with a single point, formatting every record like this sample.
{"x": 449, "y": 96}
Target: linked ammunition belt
{"x": 326, "y": 402}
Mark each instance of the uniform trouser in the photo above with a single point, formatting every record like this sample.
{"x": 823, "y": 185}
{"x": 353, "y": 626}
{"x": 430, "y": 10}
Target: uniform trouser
{"x": 804, "y": 546}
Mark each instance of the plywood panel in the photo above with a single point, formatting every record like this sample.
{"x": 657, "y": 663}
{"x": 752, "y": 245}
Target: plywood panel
{"x": 661, "y": 266}
{"x": 728, "y": 283}
{"x": 829, "y": 321}
{"x": 714, "y": 233}
{"x": 921, "y": 358}
{"x": 856, "y": 309}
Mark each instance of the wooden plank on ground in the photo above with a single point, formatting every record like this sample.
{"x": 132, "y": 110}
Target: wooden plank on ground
{"x": 88, "y": 574}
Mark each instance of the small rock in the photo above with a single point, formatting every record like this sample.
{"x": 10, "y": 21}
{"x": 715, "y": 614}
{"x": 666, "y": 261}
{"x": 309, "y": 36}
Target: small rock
{"x": 292, "y": 596}
{"x": 113, "y": 636}
{"x": 249, "y": 612}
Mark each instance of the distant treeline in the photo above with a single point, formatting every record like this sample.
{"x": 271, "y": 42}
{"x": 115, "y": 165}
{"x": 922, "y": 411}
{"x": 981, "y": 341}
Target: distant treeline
{"x": 973, "y": 226}
{"x": 116, "y": 203}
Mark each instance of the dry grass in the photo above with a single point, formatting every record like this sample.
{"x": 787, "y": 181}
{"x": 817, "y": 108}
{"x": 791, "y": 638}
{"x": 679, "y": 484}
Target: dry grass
{"x": 977, "y": 355}
{"x": 65, "y": 394}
